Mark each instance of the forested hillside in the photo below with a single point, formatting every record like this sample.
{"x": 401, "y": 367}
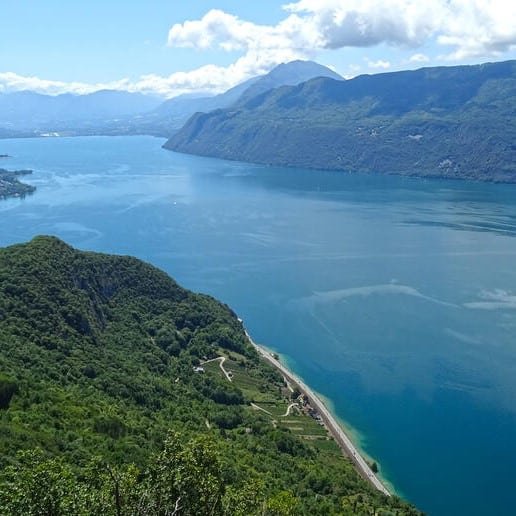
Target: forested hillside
{"x": 454, "y": 122}
{"x": 102, "y": 412}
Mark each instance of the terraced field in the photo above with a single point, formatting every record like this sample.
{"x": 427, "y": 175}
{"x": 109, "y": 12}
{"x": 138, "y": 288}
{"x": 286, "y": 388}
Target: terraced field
{"x": 272, "y": 399}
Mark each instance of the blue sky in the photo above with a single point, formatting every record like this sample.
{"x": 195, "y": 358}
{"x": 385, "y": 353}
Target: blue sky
{"x": 172, "y": 47}
{"x": 104, "y": 40}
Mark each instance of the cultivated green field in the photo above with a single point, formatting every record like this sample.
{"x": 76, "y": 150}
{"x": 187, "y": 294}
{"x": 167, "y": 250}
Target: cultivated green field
{"x": 272, "y": 399}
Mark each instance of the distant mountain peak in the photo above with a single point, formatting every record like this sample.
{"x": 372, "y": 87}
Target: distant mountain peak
{"x": 288, "y": 74}
{"x": 176, "y": 111}
{"x": 306, "y": 65}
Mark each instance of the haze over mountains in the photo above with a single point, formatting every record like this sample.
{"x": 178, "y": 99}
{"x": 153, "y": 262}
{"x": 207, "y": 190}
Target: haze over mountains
{"x": 457, "y": 122}
{"x": 27, "y": 110}
{"x": 121, "y": 112}
{"x": 177, "y": 110}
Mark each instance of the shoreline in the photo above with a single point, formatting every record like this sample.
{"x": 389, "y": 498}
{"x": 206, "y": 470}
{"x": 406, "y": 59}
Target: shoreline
{"x": 329, "y": 420}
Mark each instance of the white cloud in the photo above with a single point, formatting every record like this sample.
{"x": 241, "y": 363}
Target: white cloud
{"x": 263, "y": 46}
{"x": 419, "y": 58}
{"x": 379, "y": 64}
{"x": 467, "y": 28}
{"x": 473, "y": 28}
{"x": 209, "y": 79}
{"x": 217, "y": 29}
{"x": 10, "y": 81}
{"x": 364, "y": 23}
{"x": 479, "y": 28}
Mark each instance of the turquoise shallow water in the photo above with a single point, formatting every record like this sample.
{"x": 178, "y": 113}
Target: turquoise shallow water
{"x": 395, "y": 298}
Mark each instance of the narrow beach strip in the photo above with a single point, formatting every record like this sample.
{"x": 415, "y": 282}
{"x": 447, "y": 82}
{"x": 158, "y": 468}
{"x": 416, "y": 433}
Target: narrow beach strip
{"x": 329, "y": 420}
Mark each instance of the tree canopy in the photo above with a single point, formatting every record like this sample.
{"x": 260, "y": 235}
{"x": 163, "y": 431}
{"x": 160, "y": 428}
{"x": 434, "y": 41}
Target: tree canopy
{"x": 101, "y": 411}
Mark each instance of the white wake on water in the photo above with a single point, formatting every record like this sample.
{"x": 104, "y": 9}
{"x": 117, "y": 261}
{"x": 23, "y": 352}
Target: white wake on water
{"x": 497, "y": 299}
{"x": 333, "y": 296}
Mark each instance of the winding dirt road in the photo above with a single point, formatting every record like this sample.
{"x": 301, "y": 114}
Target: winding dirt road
{"x": 221, "y": 361}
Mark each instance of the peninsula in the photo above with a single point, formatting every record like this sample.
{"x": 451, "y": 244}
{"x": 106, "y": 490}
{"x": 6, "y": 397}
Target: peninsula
{"x": 10, "y": 186}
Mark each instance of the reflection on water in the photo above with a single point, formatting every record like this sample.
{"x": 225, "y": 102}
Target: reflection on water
{"x": 393, "y": 297}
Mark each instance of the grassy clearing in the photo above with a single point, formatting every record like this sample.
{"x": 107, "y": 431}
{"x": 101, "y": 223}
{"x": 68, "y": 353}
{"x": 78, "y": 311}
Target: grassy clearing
{"x": 327, "y": 445}
{"x": 255, "y": 387}
{"x": 309, "y": 425}
{"x": 213, "y": 368}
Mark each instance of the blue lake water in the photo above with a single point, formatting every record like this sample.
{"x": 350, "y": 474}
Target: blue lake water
{"x": 394, "y": 298}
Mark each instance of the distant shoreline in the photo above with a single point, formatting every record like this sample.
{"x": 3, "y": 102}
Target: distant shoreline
{"x": 329, "y": 420}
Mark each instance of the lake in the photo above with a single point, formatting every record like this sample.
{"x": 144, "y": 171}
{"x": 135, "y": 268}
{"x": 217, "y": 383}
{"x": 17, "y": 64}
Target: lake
{"x": 395, "y": 298}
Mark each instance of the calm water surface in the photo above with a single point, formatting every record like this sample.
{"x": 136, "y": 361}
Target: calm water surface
{"x": 395, "y": 298}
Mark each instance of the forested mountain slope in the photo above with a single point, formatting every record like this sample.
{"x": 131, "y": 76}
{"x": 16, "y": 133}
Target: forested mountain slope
{"x": 97, "y": 357}
{"x": 457, "y": 122}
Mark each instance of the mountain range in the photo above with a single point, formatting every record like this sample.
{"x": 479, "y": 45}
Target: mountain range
{"x": 120, "y": 112}
{"x": 455, "y": 122}
{"x": 176, "y": 111}
{"x": 451, "y": 122}
{"x": 30, "y": 111}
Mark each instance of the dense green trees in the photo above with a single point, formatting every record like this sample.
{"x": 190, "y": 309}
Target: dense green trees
{"x": 104, "y": 414}
{"x": 8, "y": 389}
{"x": 186, "y": 477}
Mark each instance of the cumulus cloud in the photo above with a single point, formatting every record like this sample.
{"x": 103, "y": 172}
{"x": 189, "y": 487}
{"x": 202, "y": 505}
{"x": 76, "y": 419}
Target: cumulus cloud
{"x": 10, "y": 81}
{"x": 208, "y": 79}
{"x": 467, "y": 28}
{"x": 262, "y": 46}
{"x": 479, "y": 28}
{"x": 364, "y": 23}
{"x": 217, "y": 29}
{"x": 379, "y": 64}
